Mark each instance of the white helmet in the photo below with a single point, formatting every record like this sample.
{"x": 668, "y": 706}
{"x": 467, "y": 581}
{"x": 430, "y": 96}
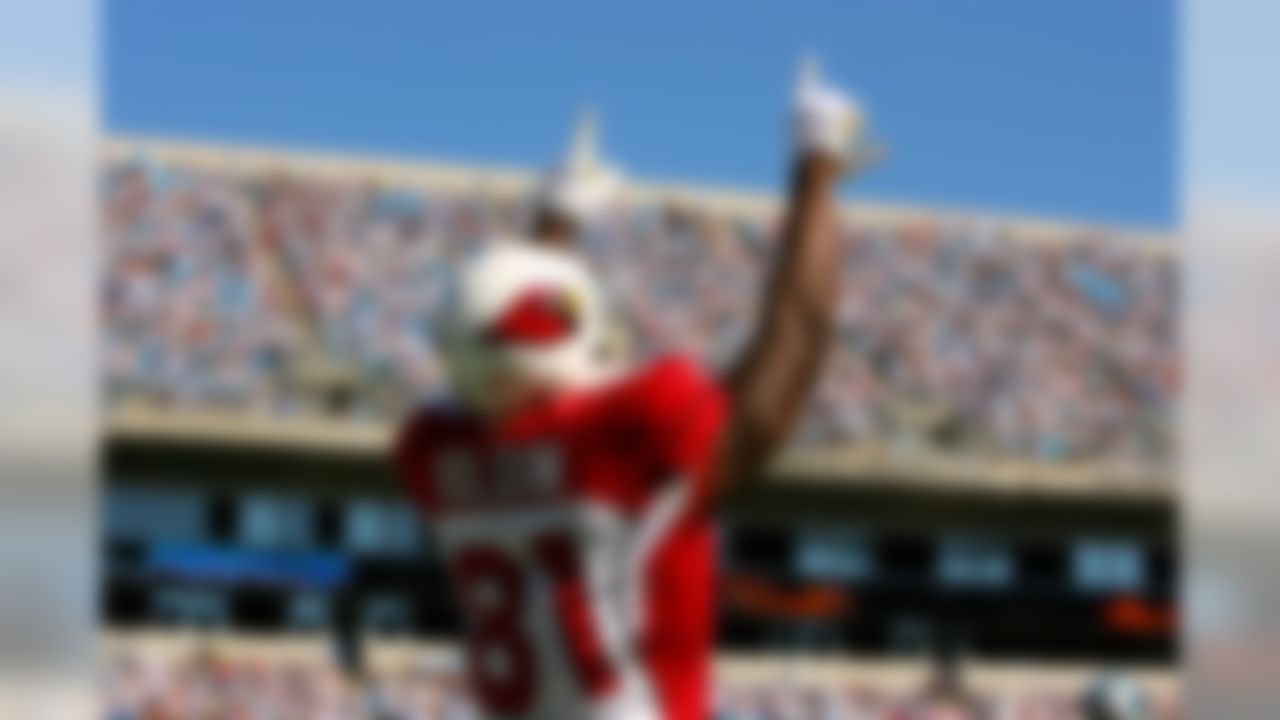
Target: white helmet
{"x": 523, "y": 317}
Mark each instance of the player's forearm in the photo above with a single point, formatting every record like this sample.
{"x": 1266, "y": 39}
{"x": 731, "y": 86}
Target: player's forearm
{"x": 804, "y": 285}
{"x": 799, "y": 315}
{"x": 794, "y": 332}
{"x": 795, "y": 327}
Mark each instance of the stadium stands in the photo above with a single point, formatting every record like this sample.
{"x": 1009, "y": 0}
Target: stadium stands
{"x": 292, "y": 286}
{"x": 178, "y": 677}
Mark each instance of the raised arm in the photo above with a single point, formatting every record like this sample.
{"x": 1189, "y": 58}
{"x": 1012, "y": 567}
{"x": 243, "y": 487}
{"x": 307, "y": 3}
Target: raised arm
{"x": 770, "y": 382}
{"x": 573, "y": 190}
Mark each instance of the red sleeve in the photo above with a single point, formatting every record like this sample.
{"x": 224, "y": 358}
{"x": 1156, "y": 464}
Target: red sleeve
{"x": 410, "y": 459}
{"x": 684, "y": 408}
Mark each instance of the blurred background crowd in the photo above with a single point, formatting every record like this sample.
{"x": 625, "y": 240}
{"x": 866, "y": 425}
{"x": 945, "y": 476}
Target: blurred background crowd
{"x": 979, "y": 519}
{"x": 264, "y": 291}
{"x": 205, "y": 686}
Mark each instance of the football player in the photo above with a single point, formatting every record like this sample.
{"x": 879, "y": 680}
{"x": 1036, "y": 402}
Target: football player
{"x": 571, "y": 495}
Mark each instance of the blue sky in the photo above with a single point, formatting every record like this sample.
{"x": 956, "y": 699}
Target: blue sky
{"x": 1062, "y": 108}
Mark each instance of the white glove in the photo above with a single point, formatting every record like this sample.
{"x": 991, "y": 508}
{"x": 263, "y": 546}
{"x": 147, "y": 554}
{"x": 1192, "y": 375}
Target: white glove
{"x": 583, "y": 184}
{"x": 824, "y": 119}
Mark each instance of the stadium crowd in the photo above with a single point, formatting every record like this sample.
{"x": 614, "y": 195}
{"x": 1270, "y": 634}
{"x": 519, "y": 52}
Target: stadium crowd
{"x": 204, "y": 686}
{"x": 291, "y": 294}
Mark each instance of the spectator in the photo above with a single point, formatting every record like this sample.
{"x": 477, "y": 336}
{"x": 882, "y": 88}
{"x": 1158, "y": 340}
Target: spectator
{"x": 268, "y": 293}
{"x": 139, "y": 686}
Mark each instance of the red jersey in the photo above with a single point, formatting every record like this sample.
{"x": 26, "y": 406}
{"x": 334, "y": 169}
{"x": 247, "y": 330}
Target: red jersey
{"x": 579, "y": 542}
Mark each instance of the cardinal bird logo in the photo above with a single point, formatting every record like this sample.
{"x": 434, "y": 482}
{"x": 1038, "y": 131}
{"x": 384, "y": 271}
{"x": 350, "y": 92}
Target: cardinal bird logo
{"x": 538, "y": 316}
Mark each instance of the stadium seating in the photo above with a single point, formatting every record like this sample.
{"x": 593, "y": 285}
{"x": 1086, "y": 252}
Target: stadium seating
{"x": 285, "y": 292}
{"x": 177, "y": 677}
